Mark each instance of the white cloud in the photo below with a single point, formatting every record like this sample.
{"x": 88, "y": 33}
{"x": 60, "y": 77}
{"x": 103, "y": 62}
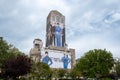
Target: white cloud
{"x": 27, "y": 44}
{"x": 45, "y": 5}
{"x": 113, "y": 17}
{"x": 33, "y": 19}
{"x": 90, "y": 42}
{"x": 86, "y": 23}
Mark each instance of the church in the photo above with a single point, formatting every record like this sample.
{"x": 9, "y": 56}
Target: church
{"x": 56, "y": 52}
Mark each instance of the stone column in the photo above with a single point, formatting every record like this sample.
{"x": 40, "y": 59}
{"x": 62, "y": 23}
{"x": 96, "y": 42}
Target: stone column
{"x": 73, "y": 62}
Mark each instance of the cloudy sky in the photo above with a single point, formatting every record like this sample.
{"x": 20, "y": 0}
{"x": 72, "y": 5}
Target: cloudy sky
{"x": 90, "y": 24}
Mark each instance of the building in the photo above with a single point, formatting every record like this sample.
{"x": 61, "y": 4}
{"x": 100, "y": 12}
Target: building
{"x": 55, "y": 19}
{"x": 60, "y": 56}
{"x": 35, "y": 52}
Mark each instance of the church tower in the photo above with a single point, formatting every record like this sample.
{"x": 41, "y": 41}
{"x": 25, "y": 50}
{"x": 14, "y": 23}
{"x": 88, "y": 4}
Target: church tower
{"x": 35, "y": 52}
{"x": 58, "y": 54}
{"x": 55, "y": 30}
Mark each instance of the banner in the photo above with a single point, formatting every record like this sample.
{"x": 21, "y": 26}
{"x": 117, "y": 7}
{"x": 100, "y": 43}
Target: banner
{"x": 60, "y": 59}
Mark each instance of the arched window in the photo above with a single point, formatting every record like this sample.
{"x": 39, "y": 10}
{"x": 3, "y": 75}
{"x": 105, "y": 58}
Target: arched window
{"x": 58, "y": 19}
{"x": 53, "y": 18}
{"x": 62, "y": 20}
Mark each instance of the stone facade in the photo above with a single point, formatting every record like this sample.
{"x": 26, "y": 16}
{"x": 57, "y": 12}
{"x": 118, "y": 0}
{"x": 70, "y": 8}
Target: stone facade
{"x": 56, "y": 51}
{"x": 73, "y": 62}
{"x": 35, "y": 52}
{"x": 54, "y": 18}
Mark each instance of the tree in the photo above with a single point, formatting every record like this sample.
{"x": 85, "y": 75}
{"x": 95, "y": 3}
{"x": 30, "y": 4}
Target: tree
{"x": 4, "y": 47}
{"x": 117, "y": 67}
{"x": 75, "y": 74}
{"x": 7, "y": 50}
{"x": 61, "y": 73}
{"x": 95, "y": 63}
{"x": 13, "y": 51}
{"x": 9, "y": 57}
{"x": 40, "y": 70}
{"x": 16, "y": 66}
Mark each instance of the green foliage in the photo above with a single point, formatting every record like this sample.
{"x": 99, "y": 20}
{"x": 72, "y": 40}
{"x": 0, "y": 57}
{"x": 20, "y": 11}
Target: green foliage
{"x": 95, "y": 63}
{"x": 13, "y": 51}
{"x": 17, "y": 66}
{"x": 4, "y": 47}
{"x": 117, "y": 67}
{"x": 75, "y": 73}
{"x": 106, "y": 79}
{"x": 40, "y": 70}
{"x": 9, "y": 56}
{"x": 6, "y": 51}
{"x": 61, "y": 72}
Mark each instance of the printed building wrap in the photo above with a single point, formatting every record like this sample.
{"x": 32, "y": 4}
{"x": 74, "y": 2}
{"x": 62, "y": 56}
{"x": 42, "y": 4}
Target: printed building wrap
{"x": 56, "y": 52}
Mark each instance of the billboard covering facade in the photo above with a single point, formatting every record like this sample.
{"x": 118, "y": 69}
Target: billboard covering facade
{"x": 60, "y": 59}
{"x": 58, "y": 55}
{"x": 55, "y": 31}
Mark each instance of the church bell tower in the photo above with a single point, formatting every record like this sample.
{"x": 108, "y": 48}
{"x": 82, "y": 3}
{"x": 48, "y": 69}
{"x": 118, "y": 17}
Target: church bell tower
{"x": 55, "y": 30}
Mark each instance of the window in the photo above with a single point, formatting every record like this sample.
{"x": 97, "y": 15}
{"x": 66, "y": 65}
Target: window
{"x": 58, "y": 19}
{"x": 62, "y": 20}
{"x": 53, "y": 18}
